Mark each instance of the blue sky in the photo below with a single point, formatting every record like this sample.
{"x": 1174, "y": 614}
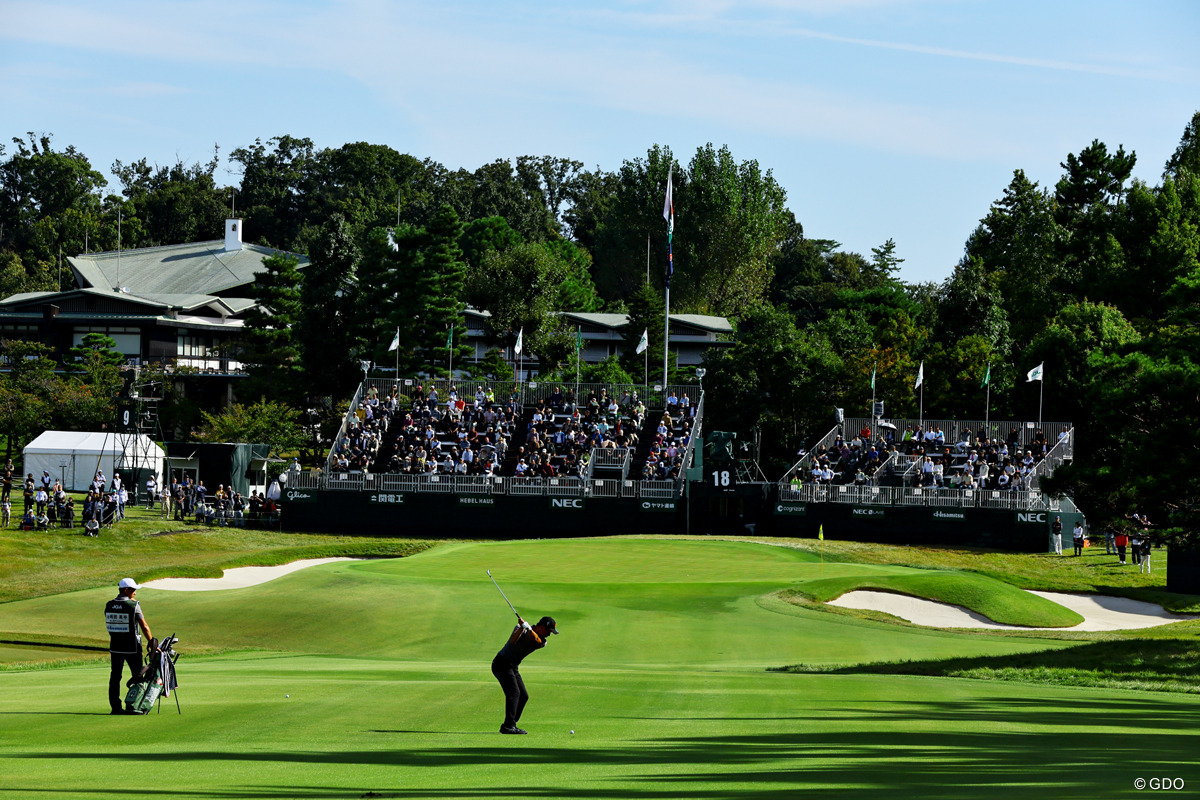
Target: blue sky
{"x": 882, "y": 119}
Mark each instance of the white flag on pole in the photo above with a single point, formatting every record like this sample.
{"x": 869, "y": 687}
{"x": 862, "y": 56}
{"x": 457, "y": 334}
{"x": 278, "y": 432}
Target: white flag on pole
{"x": 643, "y": 342}
{"x": 920, "y": 376}
{"x": 520, "y": 341}
{"x": 1035, "y": 374}
{"x": 395, "y": 341}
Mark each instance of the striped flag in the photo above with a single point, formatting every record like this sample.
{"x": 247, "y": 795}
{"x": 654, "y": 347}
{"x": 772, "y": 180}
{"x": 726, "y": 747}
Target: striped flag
{"x": 669, "y": 216}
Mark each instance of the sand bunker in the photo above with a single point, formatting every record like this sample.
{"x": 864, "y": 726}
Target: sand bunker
{"x": 1099, "y": 612}
{"x": 237, "y": 577}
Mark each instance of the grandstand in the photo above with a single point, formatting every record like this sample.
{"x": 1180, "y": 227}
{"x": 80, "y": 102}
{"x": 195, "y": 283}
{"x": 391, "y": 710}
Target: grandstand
{"x": 504, "y": 459}
{"x": 427, "y": 444}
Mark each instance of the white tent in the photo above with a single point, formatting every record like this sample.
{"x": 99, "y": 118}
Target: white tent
{"x": 73, "y": 457}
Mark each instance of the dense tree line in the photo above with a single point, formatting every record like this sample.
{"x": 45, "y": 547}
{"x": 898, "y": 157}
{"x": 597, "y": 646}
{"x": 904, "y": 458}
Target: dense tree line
{"x": 1094, "y": 277}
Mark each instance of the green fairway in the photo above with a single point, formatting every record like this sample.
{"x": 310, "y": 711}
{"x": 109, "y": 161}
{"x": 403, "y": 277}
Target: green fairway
{"x": 661, "y": 671}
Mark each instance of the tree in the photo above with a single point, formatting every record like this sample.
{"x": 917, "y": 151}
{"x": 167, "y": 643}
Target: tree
{"x": 271, "y": 347}
{"x": 731, "y": 219}
{"x": 647, "y": 314}
{"x": 774, "y": 378}
{"x": 276, "y": 180}
{"x": 441, "y": 287}
{"x": 328, "y": 332}
{"x": 480, "y": 236}
{"x": 266, "y": 422}
{"x": 551, "y": 178}
{"x": 1066, "y": 347}
{"x": 27, "y": 391}
{"x": 1187, "y": 155}
{"x": 175, "y": 204}
{"x": 1019, "y": 241}
{"x": 522, "y": 287}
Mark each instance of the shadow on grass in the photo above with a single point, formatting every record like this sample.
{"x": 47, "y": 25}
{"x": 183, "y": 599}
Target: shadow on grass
{"x": 985, "y": 746}
{"x": 1170, "y": 665}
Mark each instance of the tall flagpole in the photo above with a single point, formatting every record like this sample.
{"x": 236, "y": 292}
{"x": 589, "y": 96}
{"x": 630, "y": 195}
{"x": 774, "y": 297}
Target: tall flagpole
{"x": 987, "y": 409}
{"x": 669, "y": 216}
{"x": 397, "y": 355}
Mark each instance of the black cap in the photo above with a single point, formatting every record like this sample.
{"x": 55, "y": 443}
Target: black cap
{"x": 548, "y": 624}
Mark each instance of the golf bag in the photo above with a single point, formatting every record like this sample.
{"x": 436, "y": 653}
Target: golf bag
{"x": 156, "y": 679}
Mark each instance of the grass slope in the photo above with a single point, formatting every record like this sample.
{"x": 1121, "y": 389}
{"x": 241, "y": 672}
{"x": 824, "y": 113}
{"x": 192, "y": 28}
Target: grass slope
{"x": 661, "y": 672}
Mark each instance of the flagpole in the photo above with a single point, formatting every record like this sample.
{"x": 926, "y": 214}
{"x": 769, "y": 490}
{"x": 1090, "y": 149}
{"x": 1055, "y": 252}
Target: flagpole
{"x": 873, "y": 366}
{"x": 450, "y": 347}
{"x": 666, "y": 335}
{"x": 397, "y": 355}
{"x": 987, "y": 408}
{"x": 1041, "y": 393}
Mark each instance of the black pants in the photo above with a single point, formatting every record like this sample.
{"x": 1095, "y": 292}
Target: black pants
{"x": 134, "y": 660}
{"x": 1079, "y": 547}
{"x": 515, "y": 696}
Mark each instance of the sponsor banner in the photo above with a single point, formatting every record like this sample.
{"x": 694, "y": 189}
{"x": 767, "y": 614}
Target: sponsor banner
{"x": 571, "y": 503}
{"x": 791, "y": 509}
{"x": 386, "y": 498}
{"x": 949, "y": 516}
{"x": 1033, "y": 517}
{"x": 472, "y": 500}
{"x": 658, "y": 505}
{"x": 866, "y": 511}
{"x": 299, "y": 496}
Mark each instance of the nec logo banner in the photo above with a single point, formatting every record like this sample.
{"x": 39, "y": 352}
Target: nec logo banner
{"x": 566, "y": 502}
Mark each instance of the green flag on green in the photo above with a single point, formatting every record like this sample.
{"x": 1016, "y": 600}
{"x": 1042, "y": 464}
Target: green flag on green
{"x": 579, "y": 339}
{"x": 872, "y": 378}
{"x": 987, "y": 377}
{"x": 450, "y": 337}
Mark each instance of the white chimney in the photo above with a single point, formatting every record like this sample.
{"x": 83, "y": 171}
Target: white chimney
{"x": 233, "y": 234}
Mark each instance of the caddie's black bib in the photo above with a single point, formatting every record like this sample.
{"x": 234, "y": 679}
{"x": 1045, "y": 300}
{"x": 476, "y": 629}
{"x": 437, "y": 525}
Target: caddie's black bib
{"x": 120, "y": 617}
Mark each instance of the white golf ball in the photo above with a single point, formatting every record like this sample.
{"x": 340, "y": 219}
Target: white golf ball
{"x": 572, "y": 731}
{"x": 287, "y": 695}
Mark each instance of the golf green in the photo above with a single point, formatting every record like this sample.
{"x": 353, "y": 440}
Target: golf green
{"x": 660, "y": 671}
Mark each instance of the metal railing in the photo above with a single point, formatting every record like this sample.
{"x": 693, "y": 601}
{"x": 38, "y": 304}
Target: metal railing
{"x": 916, "y": 496}
{"x": 341, "y": 435}
{"x": 1062, "y": 451}
{"x": 953, "y": 430}
{"x": 802, "y": 467}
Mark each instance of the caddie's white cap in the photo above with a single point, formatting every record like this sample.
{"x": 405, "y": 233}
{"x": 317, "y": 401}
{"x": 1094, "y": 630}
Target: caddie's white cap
{"x": 127, "y": 583}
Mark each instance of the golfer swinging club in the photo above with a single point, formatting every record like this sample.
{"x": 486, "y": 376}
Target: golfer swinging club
{"x": 505, "y": 666}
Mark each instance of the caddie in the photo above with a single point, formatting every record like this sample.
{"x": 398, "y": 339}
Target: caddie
{"x": 126, "y": 623}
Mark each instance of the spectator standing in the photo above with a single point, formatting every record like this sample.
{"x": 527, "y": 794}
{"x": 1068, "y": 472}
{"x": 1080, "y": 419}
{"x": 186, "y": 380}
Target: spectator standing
{"x": 1122, "y": 541}
{"x": 6, "y": 481}
{"x": 1056, "y": 535}
{"x": 1077, "y": 537}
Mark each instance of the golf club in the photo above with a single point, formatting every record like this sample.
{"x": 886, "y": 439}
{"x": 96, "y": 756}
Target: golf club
{"x": 502, "y": 594}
